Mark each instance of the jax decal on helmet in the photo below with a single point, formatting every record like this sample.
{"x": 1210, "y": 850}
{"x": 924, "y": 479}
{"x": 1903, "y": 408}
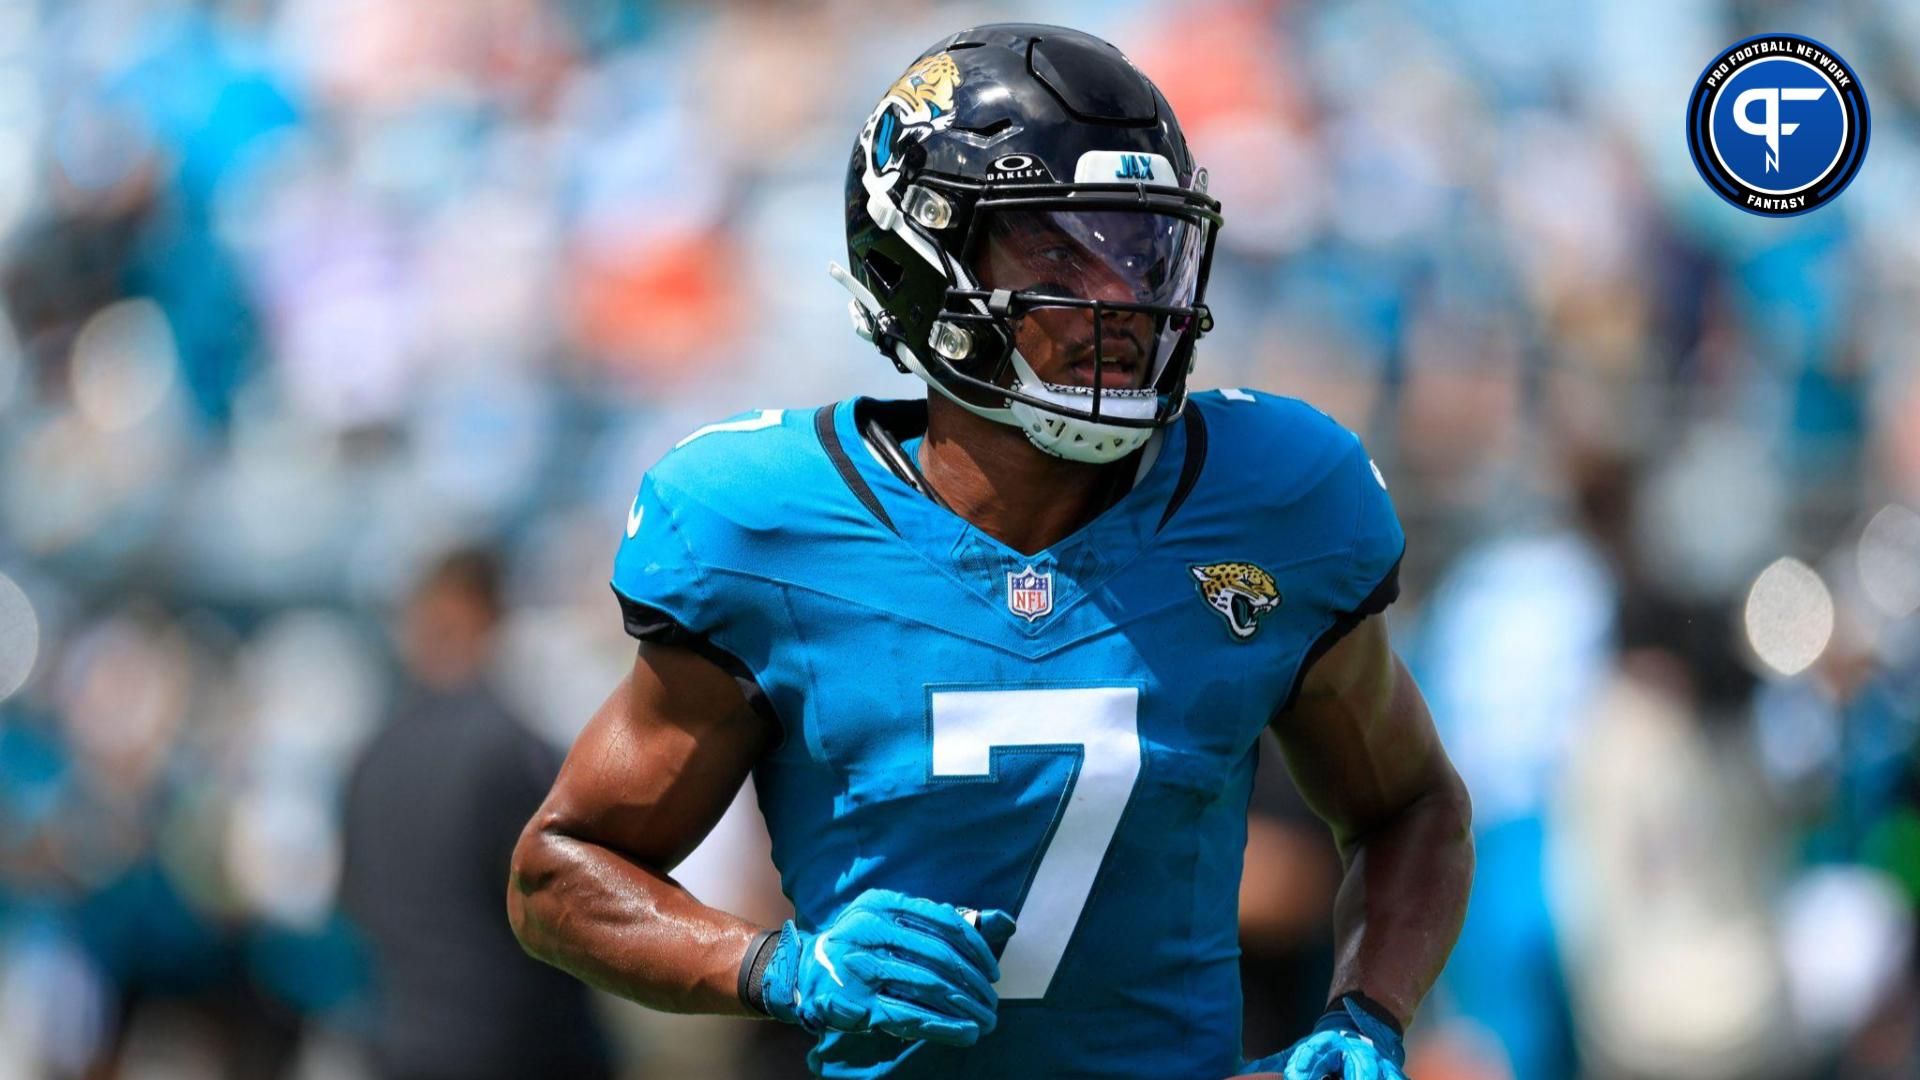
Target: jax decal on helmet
{"x": 1016, "y": 129}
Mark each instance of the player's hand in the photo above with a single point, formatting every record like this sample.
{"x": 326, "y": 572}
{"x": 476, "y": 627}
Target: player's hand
{"x": 1349, "y": 1043}
{"x": 912, "y": 968}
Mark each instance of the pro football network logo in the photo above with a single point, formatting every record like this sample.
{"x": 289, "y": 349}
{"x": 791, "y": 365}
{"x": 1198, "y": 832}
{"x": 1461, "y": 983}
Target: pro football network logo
{"x": 1029, "y": 595}
{"x": 1778, "y": 125}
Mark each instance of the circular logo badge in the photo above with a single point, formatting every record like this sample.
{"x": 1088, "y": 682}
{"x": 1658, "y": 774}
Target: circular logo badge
{"x": 1778, "y": 125}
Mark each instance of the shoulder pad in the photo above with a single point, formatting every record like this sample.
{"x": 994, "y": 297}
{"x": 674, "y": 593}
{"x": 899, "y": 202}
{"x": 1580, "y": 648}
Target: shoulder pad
{"x": 1295, "y": 444}
{"x": 1287, "y": 461}
{"x": 719, "y": 455}
{"x": 699, "y": 507}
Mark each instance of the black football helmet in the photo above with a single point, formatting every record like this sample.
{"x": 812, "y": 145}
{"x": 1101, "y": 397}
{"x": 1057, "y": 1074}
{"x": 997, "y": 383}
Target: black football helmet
{"x": 1023, "y": 131}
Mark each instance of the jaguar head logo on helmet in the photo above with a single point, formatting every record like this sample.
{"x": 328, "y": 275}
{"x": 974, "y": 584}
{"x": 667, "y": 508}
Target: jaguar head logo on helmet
{"x": 924, "y": 95}
{"x": 1029, "y": 233}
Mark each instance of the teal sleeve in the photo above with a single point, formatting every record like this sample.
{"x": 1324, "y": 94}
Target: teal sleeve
{"x": 667, "y": 594}
{"x": 1372, "y": 577}
{"x": 659, "y": 580}
{"x": 1368, "y": 578}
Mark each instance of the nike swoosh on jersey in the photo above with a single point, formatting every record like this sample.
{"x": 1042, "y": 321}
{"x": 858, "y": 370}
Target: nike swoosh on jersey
{"x": 634, "y": 514}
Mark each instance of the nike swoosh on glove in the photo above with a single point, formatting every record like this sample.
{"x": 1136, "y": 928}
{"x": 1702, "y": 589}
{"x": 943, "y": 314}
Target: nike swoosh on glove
{"x": 912, "y": 968}
{"x": 1351, "y": 1042}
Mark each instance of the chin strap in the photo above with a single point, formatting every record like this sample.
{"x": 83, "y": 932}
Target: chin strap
{"x": 868, "y": 314}
{"x": 873, "y": 323}
{"x": 1056, "y": 434}
{"x": 895, "y": 457}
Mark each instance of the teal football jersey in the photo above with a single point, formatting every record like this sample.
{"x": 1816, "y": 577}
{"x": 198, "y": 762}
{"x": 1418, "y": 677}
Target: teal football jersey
{"x": 1067, "y": 735}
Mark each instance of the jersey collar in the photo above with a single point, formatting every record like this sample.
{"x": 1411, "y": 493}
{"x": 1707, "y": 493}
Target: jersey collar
{"x": 1080, "y": 562}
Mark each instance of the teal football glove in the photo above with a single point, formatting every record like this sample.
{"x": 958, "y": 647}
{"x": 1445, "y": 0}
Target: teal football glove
{"x": 912, "y": 968}
{"x": 1355, "y": 1040}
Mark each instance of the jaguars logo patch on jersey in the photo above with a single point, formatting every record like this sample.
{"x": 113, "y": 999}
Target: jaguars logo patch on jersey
{"x": 1240, "y": 591}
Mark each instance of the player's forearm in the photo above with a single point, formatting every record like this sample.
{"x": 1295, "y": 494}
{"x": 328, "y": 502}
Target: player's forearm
{"x": 1401, "y": 904}
{"x": 623, "y": 927}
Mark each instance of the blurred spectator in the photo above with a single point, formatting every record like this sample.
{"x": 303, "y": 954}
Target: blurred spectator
{"x": 432, "y": 812}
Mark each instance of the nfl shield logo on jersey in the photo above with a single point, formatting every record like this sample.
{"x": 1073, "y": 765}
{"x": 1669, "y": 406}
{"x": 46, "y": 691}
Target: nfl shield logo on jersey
{"x": 1029, "y": 595}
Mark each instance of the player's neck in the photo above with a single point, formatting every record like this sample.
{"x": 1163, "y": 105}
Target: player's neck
{"x": 1004, "y": 485}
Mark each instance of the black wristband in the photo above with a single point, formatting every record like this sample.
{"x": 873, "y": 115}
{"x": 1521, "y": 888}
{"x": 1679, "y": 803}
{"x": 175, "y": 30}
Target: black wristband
{"x": 752, "y": 966}
{"x": 1370, "y": 1007}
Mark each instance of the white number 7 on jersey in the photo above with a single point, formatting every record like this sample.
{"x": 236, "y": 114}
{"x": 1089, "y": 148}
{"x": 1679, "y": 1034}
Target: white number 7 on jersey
{"x": 1104, "y": 723}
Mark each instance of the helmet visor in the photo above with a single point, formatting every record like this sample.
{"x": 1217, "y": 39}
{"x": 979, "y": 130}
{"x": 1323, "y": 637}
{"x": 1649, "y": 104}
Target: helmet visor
{"x": 1103, "y": 297}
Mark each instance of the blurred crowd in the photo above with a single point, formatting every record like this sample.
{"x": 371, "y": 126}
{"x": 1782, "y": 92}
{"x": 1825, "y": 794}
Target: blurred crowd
{"x": 300, "y": 295}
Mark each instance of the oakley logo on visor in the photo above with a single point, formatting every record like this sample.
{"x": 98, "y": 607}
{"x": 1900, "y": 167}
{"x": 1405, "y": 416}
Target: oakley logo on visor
{"x": 1017, "y": 167}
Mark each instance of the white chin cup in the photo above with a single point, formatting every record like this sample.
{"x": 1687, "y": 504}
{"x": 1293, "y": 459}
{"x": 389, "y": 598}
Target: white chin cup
{"x": 1074, "y": 438}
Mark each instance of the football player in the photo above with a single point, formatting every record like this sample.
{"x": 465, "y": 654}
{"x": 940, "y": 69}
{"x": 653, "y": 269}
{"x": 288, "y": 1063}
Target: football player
{"x": 997, "y": 659}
